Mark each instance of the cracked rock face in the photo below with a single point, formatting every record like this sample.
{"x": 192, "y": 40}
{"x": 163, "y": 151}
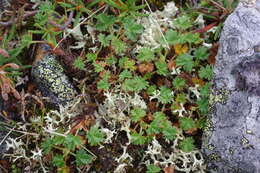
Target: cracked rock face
{"x": 231, "y": 141}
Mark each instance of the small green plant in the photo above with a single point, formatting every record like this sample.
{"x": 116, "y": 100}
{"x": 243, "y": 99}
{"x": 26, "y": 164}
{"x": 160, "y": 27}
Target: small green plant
{"x": 95, "y": 136}
{"x": 152, "y": 169}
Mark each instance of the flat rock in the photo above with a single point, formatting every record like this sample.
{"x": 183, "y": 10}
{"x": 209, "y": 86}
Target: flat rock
{"x": 231, "y": 141}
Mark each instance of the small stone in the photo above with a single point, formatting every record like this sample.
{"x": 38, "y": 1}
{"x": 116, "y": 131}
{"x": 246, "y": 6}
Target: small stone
{"x": 48, "y": 74}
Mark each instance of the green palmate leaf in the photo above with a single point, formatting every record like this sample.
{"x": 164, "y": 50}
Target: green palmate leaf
{"x": 203, "y": 105}
{"x": 58, "y": 161}
{"x": 104, "y": 40}
{"x": 91, "y": 57}
{"x": 71, "y": 142}
{"x": 151, "y": 89}
{"x": 98, "y": 67}
{"x": 47, "y": 145}
{"x": 26, "y": 40}
{"x": 118, "y": 45}
{"x": 187, "y": 145}
{"x": 135, "y": 84}
{"x": 95, "y": 136}
{"x": 130, "y": 64}
{"x": 145, "y": 55}
{"x": 82, "y": 158}
{"x": 123, "y": 61}
{"x": 187, "y": 123}
{"x": 103, "y": 84}
{"x": 181, "y": 98}
{"x": 186, "y": 61}
{"x": 79, "y": 63}
{"x": 125, "y": 75}
{"x": 138, "y": 139}
{"x": 137, "y": 114}
{"x": 172, "y": 37}
{"x": 191, "y": 38}
{"x": 162, "y": 68}
{"x": 104, "y": 21}
{"x": 58, "y": 140}
{"x": 178, "y": 83}
{"x": 45, "y": 9}
{"x": 205, "y": 90}
{"x": 169, "y": 132}
{"x": 201, "y": 53}
{"x": 132, "y": 29}
{"x": 166, "y": 95}
{"x": 152, "y": 169}
{"x": 111, "y": 60}
{"x": 182, "y": 22}
{"x": 206, "y": 72}
{"x": 157, "y": 124}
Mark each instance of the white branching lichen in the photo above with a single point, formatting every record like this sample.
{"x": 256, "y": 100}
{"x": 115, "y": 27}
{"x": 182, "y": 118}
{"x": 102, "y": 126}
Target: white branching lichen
{"x": 156, "y": 21}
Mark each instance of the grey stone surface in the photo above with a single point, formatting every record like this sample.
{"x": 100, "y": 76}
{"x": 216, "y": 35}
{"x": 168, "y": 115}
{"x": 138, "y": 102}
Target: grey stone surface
{"x": 3, "y": 133}
{"x": 49, "y": 76}
{"x": 231, "y": 142}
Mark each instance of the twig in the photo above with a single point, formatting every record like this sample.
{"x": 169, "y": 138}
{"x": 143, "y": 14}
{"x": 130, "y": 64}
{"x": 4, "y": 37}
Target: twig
{"x": 66, "y": 35}
{"x": 27, "y": 133}
{"x": 218, "y": 5}
{"x": 13, "y": 20}
{"x": 6, "y": 136}
{"x": 66, "y": 24}
{"x": 155, "y": 21}
{"x": 6, "y": 171}
{"x": 60, "y": 134}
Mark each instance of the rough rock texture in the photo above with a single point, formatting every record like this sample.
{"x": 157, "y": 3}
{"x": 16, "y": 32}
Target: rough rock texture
{"x": 231, "y": 141}
{"x": 3, "y": 145}
{"x": 50, "y": 78}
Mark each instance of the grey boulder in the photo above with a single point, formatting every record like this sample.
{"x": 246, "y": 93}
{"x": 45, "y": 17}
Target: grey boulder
{"x": 231, "y": 141}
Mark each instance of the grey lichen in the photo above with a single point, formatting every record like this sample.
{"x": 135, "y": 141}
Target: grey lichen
{"x": 50, "y": 78}
{"x": 247, "y": 75}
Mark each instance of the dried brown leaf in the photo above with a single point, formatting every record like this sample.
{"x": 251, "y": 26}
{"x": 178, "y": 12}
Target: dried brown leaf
{"x": 146, "y": 67}
{"x": 169, "y": 169}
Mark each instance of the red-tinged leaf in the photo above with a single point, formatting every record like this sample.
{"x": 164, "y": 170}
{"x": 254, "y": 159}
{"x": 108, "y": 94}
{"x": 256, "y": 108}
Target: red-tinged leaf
{"x": 4, "y": 53}
{"x": 12, "y": 65}
{"x": 146, "y": 67}
{"x": 58, "y": 52}
{"x": 213, "y": 52}
{"x": 6, "y": 88}
{"x": 206, "y": 28}
{"x": 171, "y": 64}
{"x": 198, "y": 81}
{"x": 16, "y": 94}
